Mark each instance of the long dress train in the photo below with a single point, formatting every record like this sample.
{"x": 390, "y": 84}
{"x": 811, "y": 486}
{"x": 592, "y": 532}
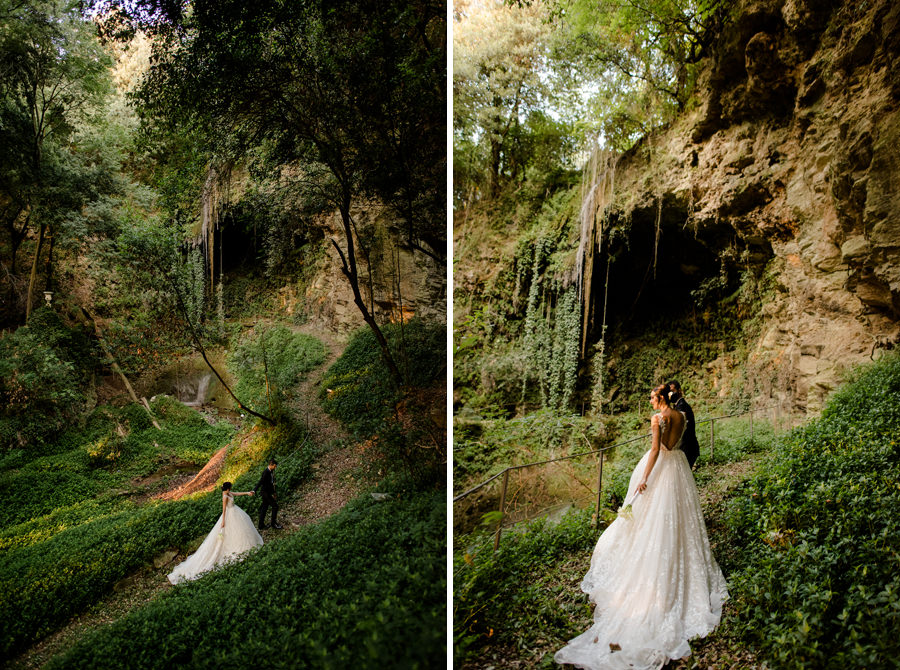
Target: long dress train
{"x": 222, "y": 545}
{"x": 653, "y": 577}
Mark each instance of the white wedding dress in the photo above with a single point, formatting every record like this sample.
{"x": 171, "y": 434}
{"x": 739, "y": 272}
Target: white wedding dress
{"x": 222, "y": 545}
{"x": 653, "y": 577}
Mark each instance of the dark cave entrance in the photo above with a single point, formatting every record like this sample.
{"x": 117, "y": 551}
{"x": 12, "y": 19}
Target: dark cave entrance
{"x": 670, "y": 277}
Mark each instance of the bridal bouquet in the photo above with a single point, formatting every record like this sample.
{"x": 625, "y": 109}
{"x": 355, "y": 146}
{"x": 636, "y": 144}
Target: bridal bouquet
{"x": 625, "y": 510}
{"x": 221, "y": 534}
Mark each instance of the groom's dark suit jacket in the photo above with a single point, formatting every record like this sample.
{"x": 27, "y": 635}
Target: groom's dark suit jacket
{"x": 689, "y": 444}
{"x": 266, "y": 483}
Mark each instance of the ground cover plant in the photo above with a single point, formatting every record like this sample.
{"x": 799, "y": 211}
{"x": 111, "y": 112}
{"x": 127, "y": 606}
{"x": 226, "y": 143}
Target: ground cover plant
{"x": 114, "y": 446}
{"x": 807, "y": 541}
{"x": 65, "y": 548}
{"x": 270, "y": 362}
{"x": 401, "y": 425}
{"x": 365, "y": 589}
{"x": 813, "y": 537}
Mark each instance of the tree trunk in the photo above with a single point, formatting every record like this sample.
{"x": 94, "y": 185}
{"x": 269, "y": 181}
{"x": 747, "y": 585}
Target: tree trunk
{"x": 49, "y": 271}
{"x": 34, "y": 267}
{"x": 494, "y": 184}
{"x": 118, "y": 370}
{"x": 348, "y": 267}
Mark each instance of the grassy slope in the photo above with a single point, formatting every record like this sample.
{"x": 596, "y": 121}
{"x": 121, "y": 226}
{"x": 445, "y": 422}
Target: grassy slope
{"x": 363, "y": 588}
{"x": 346, "y": 591}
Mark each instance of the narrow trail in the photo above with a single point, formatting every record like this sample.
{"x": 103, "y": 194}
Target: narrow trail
{"x": 334, "y": 482}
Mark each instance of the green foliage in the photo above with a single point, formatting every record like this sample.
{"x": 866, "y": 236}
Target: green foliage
{"x": 487, "y": 446}
{"x": 357, "y": 388}
{"x": 115, "y": 446}
{"x": 67, "y": 537}
{"x": 275, "y": 357}
{"x": 365, "y": 588}
{"x": 358, "y": 391}
{"x": 809, "y": 541}
{"x": 517, "y": 594}
{"x": 339, "y": 94}
{"x": 44, "y": 368}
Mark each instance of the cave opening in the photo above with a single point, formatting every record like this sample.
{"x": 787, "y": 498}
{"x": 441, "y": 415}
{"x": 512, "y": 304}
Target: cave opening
{"x": 663, "y": 268}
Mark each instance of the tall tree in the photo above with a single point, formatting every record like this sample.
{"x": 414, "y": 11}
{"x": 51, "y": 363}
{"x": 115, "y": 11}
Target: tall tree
{"x": 349, "y": 94}
{"x": 500, "y": 64}
{"x": 52, "y": 69}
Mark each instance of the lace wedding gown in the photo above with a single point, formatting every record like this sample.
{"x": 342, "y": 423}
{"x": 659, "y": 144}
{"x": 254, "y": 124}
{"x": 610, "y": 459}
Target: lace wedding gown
{"x": 221, "y": 545}
{"x": 653, "y": 578}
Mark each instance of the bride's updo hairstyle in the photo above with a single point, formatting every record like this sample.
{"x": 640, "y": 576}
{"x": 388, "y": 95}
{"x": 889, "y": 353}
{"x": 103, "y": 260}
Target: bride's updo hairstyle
{"x": 226, "y": 486}
{"x": 662, "y": 392}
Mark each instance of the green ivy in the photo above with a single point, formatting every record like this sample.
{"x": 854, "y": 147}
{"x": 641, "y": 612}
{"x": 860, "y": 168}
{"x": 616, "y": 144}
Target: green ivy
{"x": 811, "y": 540}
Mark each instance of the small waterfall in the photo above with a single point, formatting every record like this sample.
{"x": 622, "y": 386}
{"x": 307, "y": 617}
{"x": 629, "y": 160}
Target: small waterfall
{"x": 202, "y": 388}
{"x": 597, "y": 184}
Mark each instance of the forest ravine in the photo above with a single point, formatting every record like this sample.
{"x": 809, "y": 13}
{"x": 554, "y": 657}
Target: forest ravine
{"x": 208, "y": 262}
{"x": 704, "y": 192}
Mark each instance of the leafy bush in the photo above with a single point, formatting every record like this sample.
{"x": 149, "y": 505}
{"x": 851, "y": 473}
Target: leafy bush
{"x": 282, "y": 354}
{"x": 364, "y": 589}
{"x": 811, "y": 540}
{"x": 357, "y": 389}
{"x": 405, "y": 425}
{"x": 516, "y": 594}
{"x": 42, "y": 368}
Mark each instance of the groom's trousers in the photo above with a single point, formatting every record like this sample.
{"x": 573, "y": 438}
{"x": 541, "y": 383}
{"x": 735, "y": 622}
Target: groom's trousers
{"x": 268, "y": 501}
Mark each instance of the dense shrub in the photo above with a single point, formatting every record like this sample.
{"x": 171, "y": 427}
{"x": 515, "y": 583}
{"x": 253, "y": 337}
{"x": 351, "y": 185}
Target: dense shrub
{"x": 516, "y": 594}
{"x": 43, "y": 368}
{"x": 363, "y": 589}
{"x": 282, "y": 354}
{"x": 810, "y": 543}
{"x": 405, "y": 427}
{"x": 357, "y": 389}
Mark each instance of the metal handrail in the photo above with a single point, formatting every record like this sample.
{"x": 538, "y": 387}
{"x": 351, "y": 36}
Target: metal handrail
{"x": 505, "y": 472}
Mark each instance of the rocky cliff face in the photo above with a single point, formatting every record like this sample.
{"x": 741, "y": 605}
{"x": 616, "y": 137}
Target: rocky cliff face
{"x": 394, "y": 281}
{"x": 793, "y": 158}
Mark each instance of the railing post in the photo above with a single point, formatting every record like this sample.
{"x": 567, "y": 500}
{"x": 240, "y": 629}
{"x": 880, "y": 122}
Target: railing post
{"x": 599, "y": 490}
{"x": 712, "y": 439}
{"x": 502, "y": 508}
{"x": 751, "y": 427}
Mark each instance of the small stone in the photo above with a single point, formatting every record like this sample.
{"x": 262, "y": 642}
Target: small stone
{"x": 855, "y": 248}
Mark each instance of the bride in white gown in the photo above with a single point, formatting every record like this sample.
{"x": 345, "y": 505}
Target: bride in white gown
{"x": 233, "y": 535}
{"x": 653, "y": 578}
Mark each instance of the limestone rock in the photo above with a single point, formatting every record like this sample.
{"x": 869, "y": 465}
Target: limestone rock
{"x": 855, "y": 248}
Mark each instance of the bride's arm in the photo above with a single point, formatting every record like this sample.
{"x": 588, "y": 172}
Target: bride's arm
{"x": 654, "y": 452}
{"x": 224, "y": 507}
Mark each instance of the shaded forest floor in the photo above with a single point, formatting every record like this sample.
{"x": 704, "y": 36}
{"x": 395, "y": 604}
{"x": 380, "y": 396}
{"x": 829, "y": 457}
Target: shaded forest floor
{"x": 338, "y": 476}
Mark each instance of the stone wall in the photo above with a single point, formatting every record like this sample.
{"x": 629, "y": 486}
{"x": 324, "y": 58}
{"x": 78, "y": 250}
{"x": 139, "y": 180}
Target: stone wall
{"x": 394, "y": 280}
{"x": 794, "y": 151}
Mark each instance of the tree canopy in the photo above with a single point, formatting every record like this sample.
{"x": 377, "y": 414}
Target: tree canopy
{"x": 538, "y": 82}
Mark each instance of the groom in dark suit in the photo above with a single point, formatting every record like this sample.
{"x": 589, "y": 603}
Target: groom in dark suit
{"x": 266, "y": 485}
{"x": 689, "y": 444}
